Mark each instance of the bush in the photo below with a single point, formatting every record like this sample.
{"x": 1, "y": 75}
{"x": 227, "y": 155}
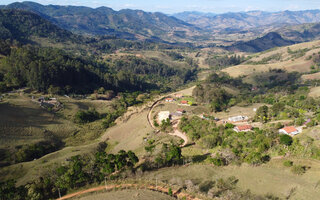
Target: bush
{"x": 288, "y": 163}
{"x": 86, "y": 116}
{"x": 229, "y": 126}
{"x": 298, "y": 169}
{"x": 286, "y": 140}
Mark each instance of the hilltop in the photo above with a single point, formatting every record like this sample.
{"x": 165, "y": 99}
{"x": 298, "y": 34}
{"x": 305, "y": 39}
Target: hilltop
{"x": 298, "y": 57}
{"x": 128, "y": 24}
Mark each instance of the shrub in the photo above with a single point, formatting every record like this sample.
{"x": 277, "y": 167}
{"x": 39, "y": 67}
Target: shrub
{"x": 86, "y": 116}
{"x": 170, "y": 192}
{"x": 229, "y": 126}
{"x": 288, "y": 163}
{"x": 218, "y": 161}
{"x": 298, "y": 169}
{"x": 286, "y": 140}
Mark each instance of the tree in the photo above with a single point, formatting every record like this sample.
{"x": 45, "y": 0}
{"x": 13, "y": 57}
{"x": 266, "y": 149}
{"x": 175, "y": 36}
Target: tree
{"x": 286, "y": 139}
{"x": 262, "y": 114}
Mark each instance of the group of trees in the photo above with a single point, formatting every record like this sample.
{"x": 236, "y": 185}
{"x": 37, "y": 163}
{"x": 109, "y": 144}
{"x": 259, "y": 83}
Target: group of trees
{"x": 29, "y": 152}
{"x": 154, "y": 71}
{"x": 80, "y": 171}
{"x": 217, "y": 97}
{"x": 44, "y": 68}
{"x": 220, "y": 62}
{"x": 251, "y": 147}
{"x": 277, "y": 80}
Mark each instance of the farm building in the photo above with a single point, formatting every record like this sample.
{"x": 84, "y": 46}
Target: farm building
{"x": 289, "y": 130}
{"x": 179, "y": 95}
{"x": 238, "y": 118}
{"x": 169, "y": 99}
{"x": 181, "y": 111}
{"x": 243, "y": 128}
{"x": 163, "y": 115}
{"x": 185, "y": 103}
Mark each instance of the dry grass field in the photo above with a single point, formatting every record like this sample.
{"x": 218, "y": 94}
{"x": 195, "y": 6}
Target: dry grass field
{"x": 315, "y": 92}
{"x": 287, "y": 61}
{"x": 315, "y": 76}
{"x": 272, "y": 178}
{"x": 127, "y": 195}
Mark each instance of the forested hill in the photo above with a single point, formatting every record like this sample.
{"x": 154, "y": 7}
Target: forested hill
{"x": 266, "y": 42}
{"x": 22, "y": 25}
{"x": 129, "y": 24}
{"x": 53, "y": 70}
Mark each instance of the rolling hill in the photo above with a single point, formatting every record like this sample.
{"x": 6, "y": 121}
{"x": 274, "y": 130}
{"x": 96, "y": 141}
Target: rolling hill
{"x": 128, "y": 24}
{"x": 295, "y": 58}
{"x": 22, "y": 25}
{"x": 266, "y": 42}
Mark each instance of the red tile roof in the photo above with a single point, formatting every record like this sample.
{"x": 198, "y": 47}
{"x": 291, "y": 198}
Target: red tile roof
{"x": 290, "y": 129}
{"x": 184, "y": 102}
{"x": 244, "y": 127}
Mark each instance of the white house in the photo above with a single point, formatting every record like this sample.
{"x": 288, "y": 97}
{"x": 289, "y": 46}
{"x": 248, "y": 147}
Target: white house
{"x": 169, "y": 99}
{"x": 289, "y": 130}
{"x": 163, "y": 115}
{"x": 238, "y": 118}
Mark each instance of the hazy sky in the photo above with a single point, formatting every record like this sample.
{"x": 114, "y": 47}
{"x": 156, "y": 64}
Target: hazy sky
{"x": 172, "y": 6}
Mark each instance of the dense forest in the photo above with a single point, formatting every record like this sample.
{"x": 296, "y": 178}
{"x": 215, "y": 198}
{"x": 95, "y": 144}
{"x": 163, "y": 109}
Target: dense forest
{"x": 44, "y": 68}
{"x": 20, "y": 25}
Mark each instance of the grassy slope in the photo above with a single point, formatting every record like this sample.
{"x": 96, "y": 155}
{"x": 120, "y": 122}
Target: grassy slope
{"x": 270, "y": 178}
{"x": 128, "y": 195}
{"x": 287, "y": 62}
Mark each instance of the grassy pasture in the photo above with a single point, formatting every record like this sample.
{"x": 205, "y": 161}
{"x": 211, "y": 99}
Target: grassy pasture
{"x": 315, "y": 76}
{"x": 269, "y": 178}
{"x": 287, "y": 62}
{"x": 127, "y": 195}
{"x": 315, "y": 92}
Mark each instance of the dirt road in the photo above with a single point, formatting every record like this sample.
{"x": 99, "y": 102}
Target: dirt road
{"x": 175, "y": 193}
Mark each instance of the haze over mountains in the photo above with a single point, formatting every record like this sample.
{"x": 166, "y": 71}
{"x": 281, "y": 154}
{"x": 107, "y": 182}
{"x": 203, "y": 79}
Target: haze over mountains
{"x": 248, "y": 20}
{"x": 247, "y": 28}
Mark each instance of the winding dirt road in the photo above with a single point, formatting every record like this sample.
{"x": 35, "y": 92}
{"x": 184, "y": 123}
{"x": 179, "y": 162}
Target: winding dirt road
{"x": 176, "y": 131}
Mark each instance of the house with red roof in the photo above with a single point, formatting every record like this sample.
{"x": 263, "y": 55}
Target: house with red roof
{"x": 243, "y": 128}
{"x": 289, "y": 130}
{"x": 184, "y": 102}
{"x": 180, "y": 111}
{"x": 169, "y": 99}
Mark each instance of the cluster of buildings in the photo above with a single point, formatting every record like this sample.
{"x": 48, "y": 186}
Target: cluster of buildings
{"x": 288, "y": 130}
{"x": 47, "y": 102}
{"x": 180, "y": 102}
{"x": 164, "y": 115}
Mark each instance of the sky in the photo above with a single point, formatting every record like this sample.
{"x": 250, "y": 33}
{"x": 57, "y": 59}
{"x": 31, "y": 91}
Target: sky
{"x": 174, "y": 6}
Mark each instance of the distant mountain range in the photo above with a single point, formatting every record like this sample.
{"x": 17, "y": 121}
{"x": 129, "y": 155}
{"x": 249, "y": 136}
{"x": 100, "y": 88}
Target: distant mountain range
{"x": 129, "y": 24}
{"x": 256, "y": 30}
{"x": 248, "y": 20}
